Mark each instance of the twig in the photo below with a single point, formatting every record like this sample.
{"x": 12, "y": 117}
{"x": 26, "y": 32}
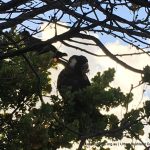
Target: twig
{"x": 137, "y": 137}
{"x": 108, "y": 53}
{"x": 83, "y": 140}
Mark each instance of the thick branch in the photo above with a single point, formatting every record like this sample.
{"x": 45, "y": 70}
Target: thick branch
{"x": 35, "y": 47}
{"x": 108, "y": 53}
{"x": 11, "y": 4}
{"x": 67, "y": 35}
{"x": 144, "y": 3}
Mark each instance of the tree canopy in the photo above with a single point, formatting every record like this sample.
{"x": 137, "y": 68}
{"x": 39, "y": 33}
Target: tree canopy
{"x": 103, "y": 17}
{"x": 27, "y": 122}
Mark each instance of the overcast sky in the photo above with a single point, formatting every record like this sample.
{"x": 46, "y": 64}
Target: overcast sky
{"x": 123, "y": 77}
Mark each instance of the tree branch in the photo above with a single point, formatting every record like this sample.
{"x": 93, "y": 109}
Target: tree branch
{"x": 25, "y": 16}
{"x": 144, "y": 3}
{"x": 11, "y": 4}
{"x": 108, "y": 53}
{"x": 82, "y": 142}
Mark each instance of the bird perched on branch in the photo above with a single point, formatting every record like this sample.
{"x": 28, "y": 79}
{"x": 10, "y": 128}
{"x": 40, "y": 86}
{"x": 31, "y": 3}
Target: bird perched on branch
{"x": 74, "y": 75}
{"x": 29, "y": 40}
{"x": 73, "y": 78}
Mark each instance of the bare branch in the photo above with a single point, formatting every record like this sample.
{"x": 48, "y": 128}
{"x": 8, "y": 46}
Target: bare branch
{"x": 108, "y": 53}
{"x": 11, "y": 4}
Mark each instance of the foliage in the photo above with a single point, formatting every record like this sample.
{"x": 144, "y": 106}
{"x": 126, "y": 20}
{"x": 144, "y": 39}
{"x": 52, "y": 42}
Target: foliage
{"x": 58, "y": 123}
{"x": 19, "y": 91}
{"x": 55, "y": 124}
{"x": 28, "y": 123}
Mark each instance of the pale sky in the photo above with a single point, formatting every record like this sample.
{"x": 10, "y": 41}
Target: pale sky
{"x": 123, "y": 77}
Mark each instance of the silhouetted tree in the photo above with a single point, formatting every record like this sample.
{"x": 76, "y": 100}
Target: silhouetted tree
{"x": 24, "y": 75}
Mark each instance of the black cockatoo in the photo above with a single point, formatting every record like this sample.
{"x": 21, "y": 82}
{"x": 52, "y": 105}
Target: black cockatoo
{"x": 74, "y": 75}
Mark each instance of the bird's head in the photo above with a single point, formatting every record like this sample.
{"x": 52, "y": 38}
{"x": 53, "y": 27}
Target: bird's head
{"x": 25, "y": 34}
{"x": 79, "y": 64}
